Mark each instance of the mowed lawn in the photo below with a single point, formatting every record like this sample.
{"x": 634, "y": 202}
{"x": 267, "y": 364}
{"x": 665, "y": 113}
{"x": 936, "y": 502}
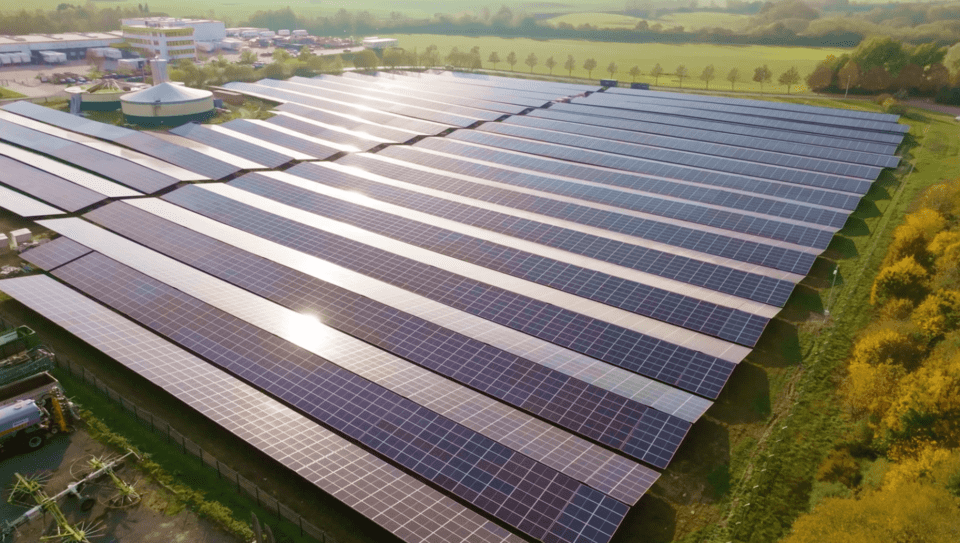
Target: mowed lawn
{"x": 644, "y": 55}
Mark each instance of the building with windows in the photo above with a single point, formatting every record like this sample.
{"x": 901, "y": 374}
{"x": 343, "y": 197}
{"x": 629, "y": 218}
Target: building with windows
{"x": 53, "y": 48}
{"x": 172, "y": 38}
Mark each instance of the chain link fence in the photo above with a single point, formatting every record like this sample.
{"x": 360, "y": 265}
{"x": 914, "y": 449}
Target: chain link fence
{"x": 188, "y": 447}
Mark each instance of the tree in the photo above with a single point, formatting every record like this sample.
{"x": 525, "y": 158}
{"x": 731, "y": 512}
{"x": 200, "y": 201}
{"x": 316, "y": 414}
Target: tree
{"x": 935, "y": 77}
{"x": 681, "y": 72}
{"x": 612, "y": 69}
{"x": 550, "y": 64}
{"x": 393, "y": 57}
{"x": 247, "y": 57}
{"x": 570, "y": 64}
{"x": 366, "y": 60}
{"x": 904, "y": 279}
{"x": 431, "y": 56}
{"x": 590, "y": 65}
{"x": 304, "y": 54}
{"x": 913, "y": 512}
{"x": 849, "y": 76}
{"x": 877, "y": 79}
{"x": 282, "y": 55}
{"x": 762, "y": 74}
{"x": 789, "y": 78}
{"x": 886, "y": 53}
{"x": 494, "y": 59}
{"x": 820, "y": 78}
{"x": 531, "y": 61}
{"x": 634, "y": 73}
{"x": 656, "y": 72}
{"x": 707, "y": 75}
{"x": 928, "y": 54}
{"x": 733, "y": 77}
{"x": 511, "y": 59}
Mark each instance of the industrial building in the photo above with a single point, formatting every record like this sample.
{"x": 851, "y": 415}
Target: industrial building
{"x": 173, "y": 38}
{"x": 379, "y": 43}
{"x": 167, "y": 104}
{"x": 53, "y": 48}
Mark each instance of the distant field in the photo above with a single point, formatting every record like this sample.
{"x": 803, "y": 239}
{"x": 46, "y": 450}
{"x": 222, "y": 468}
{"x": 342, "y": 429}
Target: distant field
{"x": 7, "y": 93}
{"x": 645, "y": 55}
{"x": 689, "y": 21}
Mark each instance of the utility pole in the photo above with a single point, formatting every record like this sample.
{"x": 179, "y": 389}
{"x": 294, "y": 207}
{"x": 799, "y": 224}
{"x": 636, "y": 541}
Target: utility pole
{"x": 833, "y": 286}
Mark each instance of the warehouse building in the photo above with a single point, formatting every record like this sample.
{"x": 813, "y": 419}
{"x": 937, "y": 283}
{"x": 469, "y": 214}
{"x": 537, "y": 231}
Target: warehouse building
{"x": 53, "y": 48}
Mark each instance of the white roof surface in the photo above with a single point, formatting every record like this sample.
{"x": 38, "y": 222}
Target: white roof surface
{"x": 166, "y": 93}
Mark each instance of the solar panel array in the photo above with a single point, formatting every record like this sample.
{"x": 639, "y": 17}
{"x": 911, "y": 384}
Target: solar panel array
{"x": 482, "y": 308}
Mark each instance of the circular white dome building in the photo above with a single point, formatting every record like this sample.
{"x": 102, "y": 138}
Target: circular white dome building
{"x": 167, "y": 104}
{"x": 103, "y": 95}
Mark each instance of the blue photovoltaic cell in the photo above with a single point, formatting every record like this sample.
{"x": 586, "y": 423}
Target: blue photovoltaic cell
{"x": 680, "y": 366}
{"x": 614, "y": 105}
{"x": 726, "y": 149}
{"x": 312, "y": 148}
{"x": 728, "y": 125}
{"x": 334, "y": 136}
{"x": 423, "y": 99}
{"x": 729, "y": 281}
{"x": 46, "y": 187}
{"x": 733, "y": 247}
{"x": 763, "y": 104}
{"x": 370, "y": 115}
{"x": 24, "y": 206}
{"x": 793, "y": 233}
{"x": 709, "y": 318}
{"x": 693, "y": 131}
{"x": 521, "y": 492}
{"x": 685, "y": 158}
{"x": 343, "y": 121}
{"x": 235, "y": 145}
{"x": 55, "y": 253}
{"x": 623, "y": 424}
{"x": 727, "y": 246}
{"x": 435, "y": 89}
{"x": 74, "y": 123}
{"x": 823, "y": 122}
{"x": 122, "y": 171}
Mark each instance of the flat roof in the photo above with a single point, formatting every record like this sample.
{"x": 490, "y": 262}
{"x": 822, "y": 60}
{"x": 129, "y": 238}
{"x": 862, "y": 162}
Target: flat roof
{"x": 58, "y": 38}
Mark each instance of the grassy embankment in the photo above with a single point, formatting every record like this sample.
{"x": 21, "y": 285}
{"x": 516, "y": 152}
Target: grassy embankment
{"x": 747, "y": 468}
{"x": 644, "y": 55}
{"x": 6, "y": 93}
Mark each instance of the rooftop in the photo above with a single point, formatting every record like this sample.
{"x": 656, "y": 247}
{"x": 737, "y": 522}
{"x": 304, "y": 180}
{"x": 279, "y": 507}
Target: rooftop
{"x": 58, "y": 38}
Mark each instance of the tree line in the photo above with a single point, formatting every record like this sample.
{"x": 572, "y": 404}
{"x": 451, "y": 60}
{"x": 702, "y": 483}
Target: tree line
{"x": 896, "y": 477}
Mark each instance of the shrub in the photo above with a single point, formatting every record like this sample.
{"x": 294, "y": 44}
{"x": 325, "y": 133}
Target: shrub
{"x": 880, "y": 99}
{"x": 938, "y": 314}
{"x": 894, "y": 107}
{"x": 897, "y": 309}
{"x": 839, "y": 467}
{"x": 903, "y": 279}
{"x": 885, "y": 346}
{"x": 912, "y": 237}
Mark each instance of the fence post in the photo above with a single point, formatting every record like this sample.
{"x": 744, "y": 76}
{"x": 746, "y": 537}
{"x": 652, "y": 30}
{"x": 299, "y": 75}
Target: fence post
{"x": 237, "y": 474}
{"x": 256, "y": 489}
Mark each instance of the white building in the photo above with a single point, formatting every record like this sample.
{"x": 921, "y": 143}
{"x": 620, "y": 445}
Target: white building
{"x": 172, "y": 38}
{"x": 379, "y": 43}
{"x": 37, "y": 48}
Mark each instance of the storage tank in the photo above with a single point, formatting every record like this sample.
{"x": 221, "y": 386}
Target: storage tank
{"x": 103, "y": 95}
{"x": 167, "y": 104}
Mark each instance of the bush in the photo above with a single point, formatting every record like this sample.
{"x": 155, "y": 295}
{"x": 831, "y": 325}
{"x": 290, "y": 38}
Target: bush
{"x": 823, "y": 490}
{"x": 938, "y": 314}
{"x": 904, "y": 279}
{"x": 880, "y": 99}
{"x": 894, "y": 107}
{"x": 897, "y": 309}
{"x": 885, "y": 346}
{"x": 839, "y": 467}
{"x": 912, "y": 237}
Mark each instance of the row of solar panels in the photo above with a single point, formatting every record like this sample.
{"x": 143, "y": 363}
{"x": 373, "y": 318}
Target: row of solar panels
{"x": 572, "y": 284}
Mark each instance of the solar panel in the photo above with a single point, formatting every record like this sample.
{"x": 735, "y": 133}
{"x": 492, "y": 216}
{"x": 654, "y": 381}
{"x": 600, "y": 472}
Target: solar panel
{"x": 520, "y": 84}
{"x": 300, "y": 144}
{"x": 800, "y": 234}
{"x": 745, "y": 285}
{"x": 66, "y": 121}
{"x": 717, "y": 113}
{"x": 213, "y": 152}
{"x": 79, "y": 177}
{"x": 336, "y": 136}
{"x": 319, "y": 102}
{"x": 657, "y": 395}
{"x": 43, "y": 186}
{"x": 426, "y": 99}
{"x": 613, "y": 420}
{"x": 692, "y": 131}
{"x": 719, "y": 163}
{"x": 55, "y": 253}
{"x": 236, "y": 145}
{"x": 398, "y": 502}
{"x": 436, "y": 89}
{"x": 183, "y": 157}
{"x": 680, "y": 366}
{"x": 861, "y": 124}
{"x": 453, "y": 457}
{"x": 703, "y": 240}
{"x": 438, "y": 114}
{"x": 24, "y": 206}
{"x": 761, "y": 104}
{"x": 727, "y": 125}
{"x": 122, "y": 171}
{"x": 722, "y": 150}
{"x": 346, "y": 121}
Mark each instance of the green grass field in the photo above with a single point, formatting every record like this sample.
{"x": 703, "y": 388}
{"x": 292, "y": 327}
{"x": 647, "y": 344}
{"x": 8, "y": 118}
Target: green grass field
{"x": 644, "y": 55}
{"x": 7, "y": 93}
{"x": 689, "y": 21}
